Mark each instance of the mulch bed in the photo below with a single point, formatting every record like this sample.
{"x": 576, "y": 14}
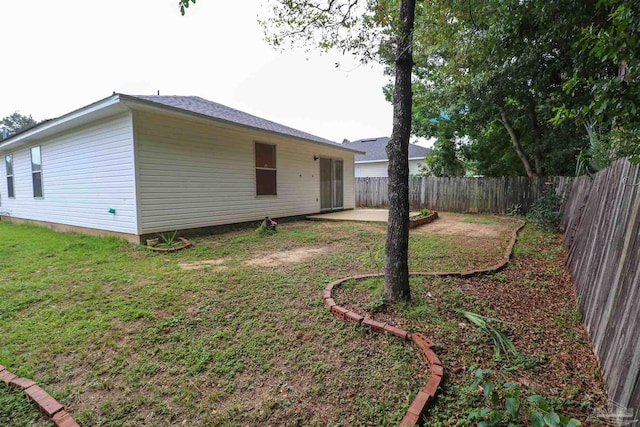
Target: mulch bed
{"x": 535, "y": 295}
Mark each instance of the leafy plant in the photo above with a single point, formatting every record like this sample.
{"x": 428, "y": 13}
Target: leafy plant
{"x": 545, "y": 212}
{"x": 267, "y": 227}
{"x": 262, "y": 231}
{"x": 504, "y": 403}
{"x": 169, "y": 238}
{"x": 501, "y": 342}
{"x": 598, "y": 155}
{"x": 446, "y": 157}
{"x": 424, "y": 212}
{"x": 543, "y": 415}
{"x": 515, "y": 210}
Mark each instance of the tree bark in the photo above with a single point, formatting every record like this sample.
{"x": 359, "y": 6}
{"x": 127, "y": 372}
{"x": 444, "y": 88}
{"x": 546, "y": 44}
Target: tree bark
{"x": 516, "y": 142}
{"x": 396, "y": 271}
{"x": 537, "y": 137}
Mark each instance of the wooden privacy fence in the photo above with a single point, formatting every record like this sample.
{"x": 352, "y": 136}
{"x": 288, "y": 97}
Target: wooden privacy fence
{"x": 461, "y": 194}
{"x": 602, "y": 220}
{"x": 602, "y": 239}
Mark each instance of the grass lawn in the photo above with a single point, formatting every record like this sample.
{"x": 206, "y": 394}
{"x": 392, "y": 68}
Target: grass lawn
{"x": 234, "y": 331}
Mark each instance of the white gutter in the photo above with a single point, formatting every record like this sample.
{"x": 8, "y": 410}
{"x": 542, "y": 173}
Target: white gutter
{"x": 384, "y": 160}
{"x": 74, "y": 115}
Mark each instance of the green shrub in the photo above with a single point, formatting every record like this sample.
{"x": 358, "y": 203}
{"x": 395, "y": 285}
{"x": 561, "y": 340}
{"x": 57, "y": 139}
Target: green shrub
{"x": 545, "y": 212}
{"x": 505, "y": 404}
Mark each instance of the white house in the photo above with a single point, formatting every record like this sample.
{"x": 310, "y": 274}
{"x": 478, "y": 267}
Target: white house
{"x": 133, "y": 166}
{"x": 374, "y": 162}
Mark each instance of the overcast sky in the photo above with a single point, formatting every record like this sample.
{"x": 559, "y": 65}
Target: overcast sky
{"x": 61, "y": 55}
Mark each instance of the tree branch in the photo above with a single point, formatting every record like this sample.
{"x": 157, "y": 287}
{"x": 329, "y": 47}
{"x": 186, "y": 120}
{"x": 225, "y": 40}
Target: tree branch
{"x": 515, "y": 140}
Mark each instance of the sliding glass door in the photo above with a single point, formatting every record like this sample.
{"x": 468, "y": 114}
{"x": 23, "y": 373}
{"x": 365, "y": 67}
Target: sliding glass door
{"x": 331, "y": 184}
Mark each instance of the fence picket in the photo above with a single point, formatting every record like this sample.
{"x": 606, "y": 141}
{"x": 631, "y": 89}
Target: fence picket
{"x": 602, "y": 220}
{"x": 601, "y": 217}
{"x": 462, "y": 194}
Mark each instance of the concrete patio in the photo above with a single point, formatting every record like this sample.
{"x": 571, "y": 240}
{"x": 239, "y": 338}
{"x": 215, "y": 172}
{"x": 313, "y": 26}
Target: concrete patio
{"x": 366, "y": 215}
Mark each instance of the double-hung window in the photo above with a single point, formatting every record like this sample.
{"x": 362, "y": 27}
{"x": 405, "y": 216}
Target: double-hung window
{"x": 36, "y": 171}
{"x": 265, "y": 169}
{"x": 8, "y": 162}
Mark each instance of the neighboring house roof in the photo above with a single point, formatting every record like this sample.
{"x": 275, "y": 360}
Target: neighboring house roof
{"x": 374, "y": 149}
{"x": 192, "y": 105}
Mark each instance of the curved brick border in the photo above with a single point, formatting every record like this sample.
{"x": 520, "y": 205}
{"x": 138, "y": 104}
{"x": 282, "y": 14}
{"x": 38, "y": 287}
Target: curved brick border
{"x": 421, "y": 220}
{"x": 186, "y": 244}
{"x": 47, "y": 404}
{"x": 419, "y": 405}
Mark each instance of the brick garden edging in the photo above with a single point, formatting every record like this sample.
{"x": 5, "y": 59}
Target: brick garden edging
{"x": 47, "y": 404}
{"x": 186, "y": 244}
{"x": 418, "y": 407}
{"x": 421, "y": 220}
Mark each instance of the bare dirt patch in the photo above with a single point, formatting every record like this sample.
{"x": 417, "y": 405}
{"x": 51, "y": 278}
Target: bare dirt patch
{"x": 215, "y": 264}
{"x": 275, "y": 259}
{"x": 463, "y": 225}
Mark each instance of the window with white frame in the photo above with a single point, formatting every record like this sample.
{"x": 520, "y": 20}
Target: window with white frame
{"x": 36, "y": 171}
{"x": 8, "y": 162}
{"x": 266, "y": 184}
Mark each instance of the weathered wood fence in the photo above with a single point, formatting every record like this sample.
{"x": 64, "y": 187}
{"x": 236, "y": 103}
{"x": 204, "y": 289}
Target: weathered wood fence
{"x": 461, "y": 194}
{"x": 602, "y": 239}
{"x": 602, "y": 219}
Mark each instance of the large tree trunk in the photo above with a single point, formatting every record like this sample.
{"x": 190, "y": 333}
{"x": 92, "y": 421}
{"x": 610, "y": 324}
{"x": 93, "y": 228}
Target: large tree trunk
{"x": 516, "y": 142}
{"x": 396, "y": 267}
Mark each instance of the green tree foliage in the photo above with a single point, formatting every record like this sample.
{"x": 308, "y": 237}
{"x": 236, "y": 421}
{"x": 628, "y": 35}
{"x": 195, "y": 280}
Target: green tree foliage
{"x": 184, "y": 5}
{"x": 446, "y": 157}
{"x": 16, "y": 122}
{"x": 608, "y": 66}
{"x": 500, "y": 67}
{"x": 490, "y": 153}
{"x": 443, "y": 160}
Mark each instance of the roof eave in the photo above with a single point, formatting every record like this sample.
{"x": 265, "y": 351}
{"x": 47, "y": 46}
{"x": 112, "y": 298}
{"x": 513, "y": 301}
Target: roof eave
{"x": 41, "y": 128}
{"x": 131, "y": 102}
{"x": 385, "y": 160}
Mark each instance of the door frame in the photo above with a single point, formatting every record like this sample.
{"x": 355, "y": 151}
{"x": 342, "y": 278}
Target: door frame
{"x": 333, "y": 183}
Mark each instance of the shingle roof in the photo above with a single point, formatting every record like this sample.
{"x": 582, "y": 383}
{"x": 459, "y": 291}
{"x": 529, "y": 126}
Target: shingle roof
{"x": 374, "y": 149}
{"x": 204, "y": 107}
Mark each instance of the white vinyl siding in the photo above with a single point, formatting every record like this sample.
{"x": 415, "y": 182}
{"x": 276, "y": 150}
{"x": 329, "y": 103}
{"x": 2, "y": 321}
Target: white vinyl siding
{"x": 197, "y": 174}
{"x": 377, "y": 169}
{"x": 380, "y": 169}
{"x": 86, "y": 171}
{"x": 414, "y": 166}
